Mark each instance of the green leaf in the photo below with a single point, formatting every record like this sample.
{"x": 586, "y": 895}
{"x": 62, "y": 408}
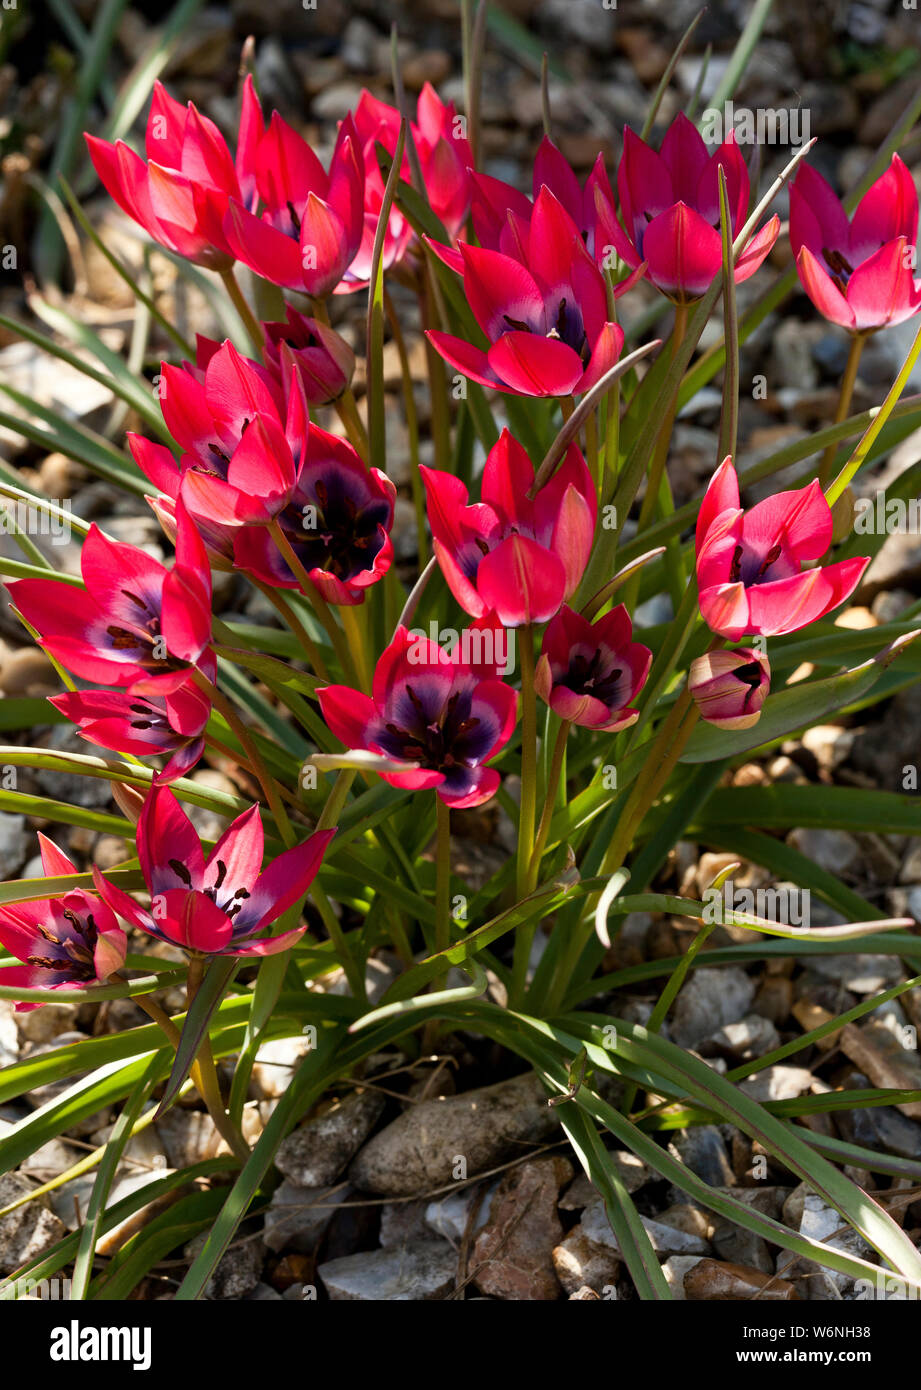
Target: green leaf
{"x": 783, "y": 806}
{"x": 218, "y": 974}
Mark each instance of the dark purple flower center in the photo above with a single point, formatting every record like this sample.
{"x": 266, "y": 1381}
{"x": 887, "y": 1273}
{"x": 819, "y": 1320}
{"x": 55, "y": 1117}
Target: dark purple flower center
{"x": 440, "y": 743}
{"x": 751, "y": 675}
{"x": 841, "y": 270}
{"x": 144, "y": 639}
{"x": 229, "y": 899}
{"x": 566, "y": 325}
{"x": 334, "y": 530}
{"x": 750, "y": 568}
{"x": 70, "y": 953}
{"x": 148, "y": 716}
{"x": 593, "y": 675}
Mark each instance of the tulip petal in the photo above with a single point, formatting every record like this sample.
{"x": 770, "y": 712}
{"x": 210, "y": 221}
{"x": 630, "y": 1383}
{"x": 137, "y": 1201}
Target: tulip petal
{"x": 882, "y": 289}
{"x": 522, "y": 581}
{"x": 348, "y": 713}
{"x": 684, "y": 253}
{"x": 535, "y": 366}
{"x": 823, "y": 292}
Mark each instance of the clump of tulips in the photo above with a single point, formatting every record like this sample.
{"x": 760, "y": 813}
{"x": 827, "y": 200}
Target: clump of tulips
{"x": 513, "y": 670}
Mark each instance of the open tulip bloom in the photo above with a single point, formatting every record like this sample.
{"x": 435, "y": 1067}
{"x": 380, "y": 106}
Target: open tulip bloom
{"x": 136, "y": 623}
{"x": 589, "y": 672}
{"x": 219, "y": 905}
{"x": 462, "y": 618}
{"x": 543, "y": 309}
{"x": 172, "y": 723}
{"x": 67, "y": 942}
{"x": 750, "y": 563}
{"x": 443, "y": 715}
{"x": 858, "y": 272}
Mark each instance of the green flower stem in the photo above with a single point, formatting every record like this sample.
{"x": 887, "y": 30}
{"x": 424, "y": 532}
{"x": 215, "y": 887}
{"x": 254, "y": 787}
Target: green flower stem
{"x": 284, "y": 609}
{"x": 438, "y": 379}
{"x": 309, "y": 590}
{"x": 879, "y": 418}
{"x": 664, "y": 752}
{"x": 656, "y": 474}
{"x": 667, "y": 998}
{"x": 357, "y": 635}
{"x": 266, "y": 781}
{"x": 845, "y": 392}
{"x": 553, "y": 782}
{"x": 204, "y": 1074}
{"x": 526, "y": 816}
{"x": 592, "y": 454}
{"x": 329, "y": 817}
{"x": 206, "y": 1084}
{"x": 442, "y": 875}
{"x": 238, "y": 299}
{"x": 412, "y": 429}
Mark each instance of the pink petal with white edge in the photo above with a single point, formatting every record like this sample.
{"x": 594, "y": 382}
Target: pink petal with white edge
{"x": 724, "y": 608}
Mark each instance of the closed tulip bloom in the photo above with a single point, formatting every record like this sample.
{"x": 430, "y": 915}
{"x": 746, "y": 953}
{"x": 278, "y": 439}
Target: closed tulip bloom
{"x": 323, "y": 359}
{"x": 311, "y": 225}
{"x": 589, "y": 672}
{"x": 729, "y": 688}
{"x": 507, "y": 553}
{"x": 859, "y": 273}
{"x": 750, "y": 574}
{"x": 181, "y": 193}
{"x": 670, "y": 211}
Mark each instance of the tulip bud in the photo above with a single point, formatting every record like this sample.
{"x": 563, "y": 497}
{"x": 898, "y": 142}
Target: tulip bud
{"x": 324, "y": 359}
{"x": 729, "y": 688}
{"x": 129, "y": 799}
